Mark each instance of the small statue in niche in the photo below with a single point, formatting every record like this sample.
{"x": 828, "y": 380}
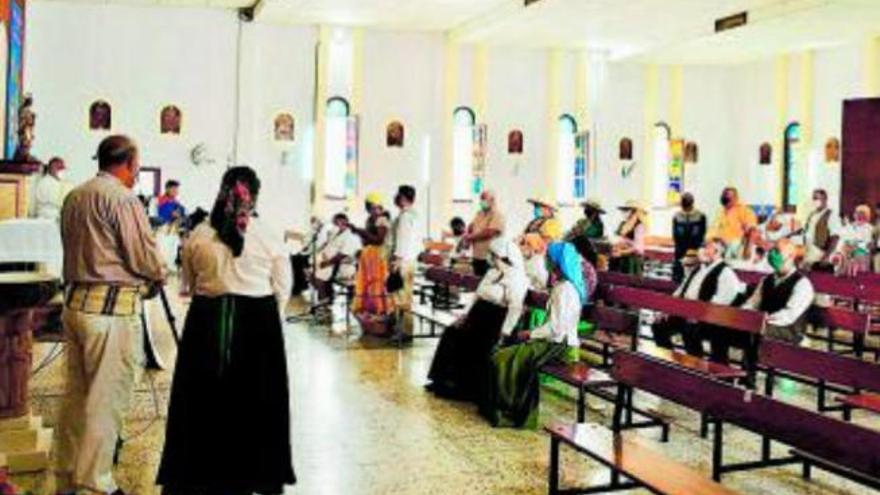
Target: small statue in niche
{"x": 26, "y": 121}
{"x": 170, "y": 120}
{"x": 100, "y": 116}
{"x": 691, "y": 152}
{"x": 832, "y": 150}
{"x": 765, "y": 154}
{"x": 515, "y": 142}
{"x": 394, "y": 135}
{"x": 284, "y": 127}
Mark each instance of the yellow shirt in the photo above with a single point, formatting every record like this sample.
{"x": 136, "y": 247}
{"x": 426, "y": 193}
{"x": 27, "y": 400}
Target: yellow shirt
{"x": 732, "y": 224}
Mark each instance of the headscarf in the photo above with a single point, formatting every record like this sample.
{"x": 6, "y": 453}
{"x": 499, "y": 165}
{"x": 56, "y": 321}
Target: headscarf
{"x": 234, "y": 206}
{"x": 535, "y": 243}
{"x": 508, "y": 251}
{"x": 564, "y": 256}
{"x": 551, "y": 229}
{"x": 375, "y": 198}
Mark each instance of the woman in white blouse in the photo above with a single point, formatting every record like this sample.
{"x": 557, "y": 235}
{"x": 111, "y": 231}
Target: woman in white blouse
{"x": 462, "y": 356}
{"x": 512, "y": 395}
{"x": 228, "y": 425}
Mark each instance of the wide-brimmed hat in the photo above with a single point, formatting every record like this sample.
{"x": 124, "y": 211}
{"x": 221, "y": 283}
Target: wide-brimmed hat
{"x": 543, "y": 201}
{"x": 633, "y": 204}
{"x": 593, "y": 204}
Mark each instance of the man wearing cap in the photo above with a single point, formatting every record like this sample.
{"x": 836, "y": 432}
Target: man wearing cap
{"x": 711, "y": 281}
{"x": 590, "y": 226}
{"x": 50, "y": 190}
{"x": 544, "y": 222}
{"x": 688, "y": 232}
{"x": 487, "y": 225}
{"x": 785, "y": 295}
{"x": 110, "y": 262}
{"x": 404, "y": 255}
{"x": 734, "y": 222}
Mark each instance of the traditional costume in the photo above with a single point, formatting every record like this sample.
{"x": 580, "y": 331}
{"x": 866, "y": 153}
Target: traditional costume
{"x": 228, "y": 425}
{"x": 512, "y": 393}
{"x": 545, "y": 222}
{"x": 372, "y": 303}
{"x": 628, "y": 253}
{"x": 464, "y": 350}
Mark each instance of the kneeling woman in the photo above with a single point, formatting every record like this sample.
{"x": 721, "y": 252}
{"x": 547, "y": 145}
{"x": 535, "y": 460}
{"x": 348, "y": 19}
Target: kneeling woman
{"x": 463, "y": 353}
{"x": 513, "y": 388}
{"x": 229, "y": 422}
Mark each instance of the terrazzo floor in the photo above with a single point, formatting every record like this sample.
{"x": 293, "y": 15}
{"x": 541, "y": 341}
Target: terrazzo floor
{"x": 363, "y": 425}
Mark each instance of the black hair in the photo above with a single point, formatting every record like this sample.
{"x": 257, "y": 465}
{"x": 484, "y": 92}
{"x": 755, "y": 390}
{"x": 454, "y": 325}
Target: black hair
{"x": 171, "y": 183}
{"x": 407, "y": 192}
{"x": 585, "y": 247}
{"x": 340, "y": 216}
{"x": 115, "y": 150}
{"x": 456, "y": 221}
{"x": 222, "y": 222}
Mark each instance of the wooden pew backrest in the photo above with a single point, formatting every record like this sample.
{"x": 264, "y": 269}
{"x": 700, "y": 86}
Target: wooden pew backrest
{"x": 616, "y": 279}
{"x": 735, "y": 318}
{"x": 811, "y": 363}
{"x": 841, "y": 318}
{"x": 847, "y": 444}
{"x": 614, "y": 320}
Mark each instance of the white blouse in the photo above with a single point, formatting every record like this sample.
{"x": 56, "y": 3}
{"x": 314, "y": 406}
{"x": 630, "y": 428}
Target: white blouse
{"x": 210, "y": 269}
{"x": 565, "y": 315}
{"x": 507, "y": 289}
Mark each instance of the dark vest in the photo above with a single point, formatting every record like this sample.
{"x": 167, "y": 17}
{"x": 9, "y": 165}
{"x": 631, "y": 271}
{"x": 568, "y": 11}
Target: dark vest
{"x": 775, "y": 297}
{"x": 823, "y": 233}
{"x": 709, "y": 287}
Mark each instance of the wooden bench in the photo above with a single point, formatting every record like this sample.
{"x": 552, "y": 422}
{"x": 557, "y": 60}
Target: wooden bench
{"x": 860, "y": 380}
{"x": 839, "y": 447}
{"x": 631, "y": 458}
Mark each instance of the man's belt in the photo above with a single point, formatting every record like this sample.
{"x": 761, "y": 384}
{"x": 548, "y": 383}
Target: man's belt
{"x": 105, "y": 299}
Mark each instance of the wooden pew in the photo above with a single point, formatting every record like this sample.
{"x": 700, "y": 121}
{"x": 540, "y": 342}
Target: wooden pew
{"x": 625, "y": 457}
{"x": 839, "y": 447}
{"x": 860, "y": 380}
{"x": 615, "y": 279}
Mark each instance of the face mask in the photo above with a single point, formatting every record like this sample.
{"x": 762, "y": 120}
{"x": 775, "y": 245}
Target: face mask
{"x": 776, "y": 260}
{"x": 484, "y": 205}
{"x": 538, "y": 213}
{"x": 59, "y": 175}
{"x": 686, "y": 204}
{"x": 725, "y": 200}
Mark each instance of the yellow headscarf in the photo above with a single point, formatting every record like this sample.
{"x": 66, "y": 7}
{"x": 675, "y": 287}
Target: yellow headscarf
{"x": 375, "y": 198}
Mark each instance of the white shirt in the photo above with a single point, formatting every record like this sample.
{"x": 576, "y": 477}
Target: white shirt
{"x": 800, "y": 301}
{"x": 729, "y": 284}
{"x": 262, "y": 269}
{"x": 565, "y": 315}
{"x": 857, "y": 236}
{"x": 344, "y": 243}
{"x": 49, "y": 196}
{"x": 536, "y": 269}
{"x": 405, "y": 236}
{"x": 506, "y": 288}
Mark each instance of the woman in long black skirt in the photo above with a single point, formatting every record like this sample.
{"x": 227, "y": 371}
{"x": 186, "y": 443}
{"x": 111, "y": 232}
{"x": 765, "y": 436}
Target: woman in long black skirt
{"x": 463, "y": 353}
{"x": 228, "y": 426}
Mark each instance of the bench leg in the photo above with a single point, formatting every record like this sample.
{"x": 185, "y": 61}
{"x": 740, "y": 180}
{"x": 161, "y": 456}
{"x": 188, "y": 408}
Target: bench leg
{"x": 704, "y": 425}
{"x": 847, "y": 413}
{"x": 619, "y": 406}
{"x": 821, "y": 396}
{"x": 629, "y": 406}
{"x": 553, "y": 475}
{"x": 765, "y": 448}
{"x": 807, "y": 470}
{"x": 859, "y": 344}
{"x": 581, "y": 405}
{"x": 717, "y": 450}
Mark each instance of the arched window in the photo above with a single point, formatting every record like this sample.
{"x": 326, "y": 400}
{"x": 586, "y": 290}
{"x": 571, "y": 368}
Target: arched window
{"x": 566, "y": 173}
{"x": 464, "y": 123}
{"x": 790, "y": 165}
{"x": 662, "y": 164}
{"x": 335, "y": 147}
{"x": 394, "y": 135}
{"x": 765, "y": 154}
{"x": 100, "y": 116}
{"x": 625, "y": 149}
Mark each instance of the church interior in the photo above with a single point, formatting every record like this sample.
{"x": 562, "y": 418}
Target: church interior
{"x": 439, "y": 246}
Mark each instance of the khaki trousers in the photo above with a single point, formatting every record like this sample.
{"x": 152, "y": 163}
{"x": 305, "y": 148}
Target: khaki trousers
{"x": 403, "y": 299}
{"x": 105, "y": 355}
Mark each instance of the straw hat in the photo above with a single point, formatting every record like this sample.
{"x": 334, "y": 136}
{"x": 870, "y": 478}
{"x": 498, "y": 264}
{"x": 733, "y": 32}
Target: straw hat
{"x": 594, "y": 204}
{"x": 543, "y": 201}
{"x": 633, "y": 204}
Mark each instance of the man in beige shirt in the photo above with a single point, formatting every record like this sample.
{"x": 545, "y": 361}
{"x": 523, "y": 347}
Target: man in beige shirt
{"x": 110, "y": 261}
{"x": 486, "y": 226}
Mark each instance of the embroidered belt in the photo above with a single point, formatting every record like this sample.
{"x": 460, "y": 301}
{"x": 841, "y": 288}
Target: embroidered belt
{"x": 105, "y": 299}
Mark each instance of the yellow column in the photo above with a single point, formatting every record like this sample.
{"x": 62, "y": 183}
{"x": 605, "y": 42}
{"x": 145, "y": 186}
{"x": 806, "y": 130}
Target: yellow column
{"x": 806, "y": 97}
{"x": 554, "y": 60}
{"x": 320, "y": 102}
{"x": 581, "y": 91}
{"x": 450, "y": 100}
{"x": 480, "y": 81}
{"x": 650, "y": 114}
{"x": 780, "y": 79}
{"x": 871, "y": 64}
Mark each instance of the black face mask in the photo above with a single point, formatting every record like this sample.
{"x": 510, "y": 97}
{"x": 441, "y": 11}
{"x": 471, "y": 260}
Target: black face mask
{"x": 687, "y": 204}
{"x": 725, "y": 200}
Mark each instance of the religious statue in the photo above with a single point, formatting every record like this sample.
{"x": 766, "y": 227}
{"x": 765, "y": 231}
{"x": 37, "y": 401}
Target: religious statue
{"x": 26, "y": 120}
{"x": 15, "y": 362}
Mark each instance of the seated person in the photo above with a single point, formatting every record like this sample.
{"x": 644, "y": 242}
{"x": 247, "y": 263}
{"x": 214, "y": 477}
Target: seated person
{"x": 512, "y": 394}
{"x": 785, "y": 295}
{"x": 711, "y": 281}
{"x": 628, "y": 248}
{"x": 853, "y": 254}
{"x": 462, "y": 356}
{"x": 300, "y": 260}
{"x": 544, "y": 222}
{"x": 534, "y": 250}
{"x": 336, "y": 261}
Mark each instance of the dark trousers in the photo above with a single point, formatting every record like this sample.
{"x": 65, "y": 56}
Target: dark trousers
{"x": 299, "y": 263}
{"x": 691, "y": 333}
{"x": 480, "y": 267}
{"x": 723, "y": 339}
